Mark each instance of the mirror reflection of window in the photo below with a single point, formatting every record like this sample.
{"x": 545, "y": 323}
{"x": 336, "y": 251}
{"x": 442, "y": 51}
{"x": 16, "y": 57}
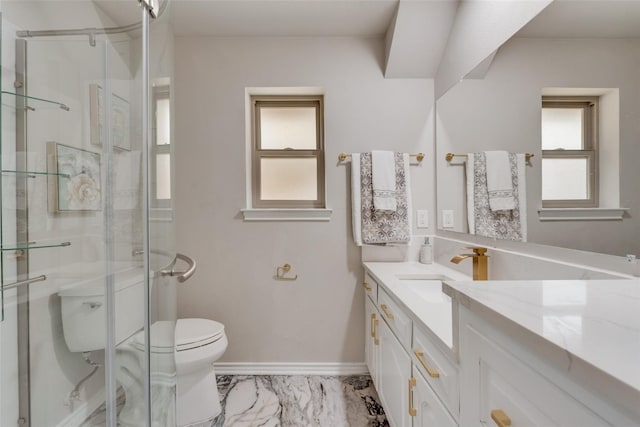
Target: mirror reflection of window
{"x": 569, "y": 151}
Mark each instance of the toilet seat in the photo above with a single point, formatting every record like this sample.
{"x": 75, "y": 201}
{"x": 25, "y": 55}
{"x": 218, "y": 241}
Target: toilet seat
{"x": 194, "y": 333}
{"x": 162, "y": 337}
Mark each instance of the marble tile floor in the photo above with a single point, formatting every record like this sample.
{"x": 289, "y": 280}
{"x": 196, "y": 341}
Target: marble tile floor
{"x": 287, "y": 401}
{"x": 298, "y": 401}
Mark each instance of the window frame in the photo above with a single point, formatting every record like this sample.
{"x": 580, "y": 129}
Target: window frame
{"x": 257, "y": 154}
{"x": 589, "y": 106}
{"x": 159, "y": 93}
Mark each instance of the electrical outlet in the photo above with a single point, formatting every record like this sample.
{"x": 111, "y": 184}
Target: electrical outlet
{"x": 422, "y": 218}
{"x": 447, "y": 219}
{"x": 631, "y": 259}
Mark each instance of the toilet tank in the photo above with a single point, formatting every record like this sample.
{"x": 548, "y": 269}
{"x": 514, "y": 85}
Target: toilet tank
{"x": 83, "y": 308}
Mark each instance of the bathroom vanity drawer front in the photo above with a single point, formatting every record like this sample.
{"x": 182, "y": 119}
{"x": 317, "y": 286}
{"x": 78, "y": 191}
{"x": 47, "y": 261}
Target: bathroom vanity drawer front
{"x": 512, "y": 393}
{"x": 429, "y": 410}
{"x": 370, "y": 287}
{"x": 397, "y": 320}
{"x": 439, "y": 370}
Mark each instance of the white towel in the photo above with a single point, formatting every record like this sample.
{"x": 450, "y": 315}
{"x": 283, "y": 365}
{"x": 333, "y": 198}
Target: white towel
{"x": 383, "y": 177}
{"x": 356, "y": 202}
{"x": 499, "y": 181}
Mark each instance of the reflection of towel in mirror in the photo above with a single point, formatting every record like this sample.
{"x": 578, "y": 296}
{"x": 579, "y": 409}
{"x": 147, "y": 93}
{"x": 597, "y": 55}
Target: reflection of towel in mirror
{"x": 482, "y": 220}
{"x": 126, "y": 180}
{"x": 383, "y": 177}
{"x": 499, "y": 182}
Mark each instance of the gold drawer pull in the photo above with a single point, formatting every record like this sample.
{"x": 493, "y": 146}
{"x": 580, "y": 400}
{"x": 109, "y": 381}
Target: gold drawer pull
{"x": 373, "y": 327}
{"x": 412, "y": 384}
{"x": 501, "y": 419}
{"x": 432, "y": 372}
{"x": 386, "y": 311}
{"x": 366, "y": 286}
{"x": 376, "y": 341}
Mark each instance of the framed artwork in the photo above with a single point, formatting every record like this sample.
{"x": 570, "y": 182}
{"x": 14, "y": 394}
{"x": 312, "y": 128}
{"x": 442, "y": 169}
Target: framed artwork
{"x": 95, "y": 113}
{"x": 76, "y": 185}
{"x": 120, "y": 118}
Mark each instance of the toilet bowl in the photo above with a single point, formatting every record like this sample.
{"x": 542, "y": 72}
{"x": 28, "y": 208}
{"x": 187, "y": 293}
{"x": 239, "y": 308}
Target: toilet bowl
{"x": 182, "y": 352}
{"x": 199, "y": 343}
{"x": 181, "y": 357}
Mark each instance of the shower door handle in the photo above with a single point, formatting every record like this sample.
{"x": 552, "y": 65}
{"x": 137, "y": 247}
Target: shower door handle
{"x": 182, "y": 276}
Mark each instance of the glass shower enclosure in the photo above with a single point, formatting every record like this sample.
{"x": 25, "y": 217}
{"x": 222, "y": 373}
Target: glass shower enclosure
{"x": 88, "y": 260}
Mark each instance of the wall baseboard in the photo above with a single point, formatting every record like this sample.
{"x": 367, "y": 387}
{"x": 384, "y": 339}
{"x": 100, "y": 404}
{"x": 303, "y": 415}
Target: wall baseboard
{"x": 327, "y": 369}
{"x": 80, "y": 415}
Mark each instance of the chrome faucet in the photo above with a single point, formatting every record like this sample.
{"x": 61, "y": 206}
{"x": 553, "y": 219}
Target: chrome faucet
{"x": 480, "y": 265}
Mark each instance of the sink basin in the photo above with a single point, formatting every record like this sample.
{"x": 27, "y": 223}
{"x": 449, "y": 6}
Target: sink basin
{"x": 422, "y": 277}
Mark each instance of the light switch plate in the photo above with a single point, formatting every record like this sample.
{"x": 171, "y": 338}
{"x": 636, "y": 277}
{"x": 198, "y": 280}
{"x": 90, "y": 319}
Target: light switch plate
{"x": 447, "y": 219}
{"x": 422, "y": 218}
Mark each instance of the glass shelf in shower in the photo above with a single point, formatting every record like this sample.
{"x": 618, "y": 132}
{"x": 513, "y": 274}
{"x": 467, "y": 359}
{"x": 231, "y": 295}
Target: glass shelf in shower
{"x": 33, "y": 174}
{"x": 34, "y": 102}
{"x": 27, "y": 246}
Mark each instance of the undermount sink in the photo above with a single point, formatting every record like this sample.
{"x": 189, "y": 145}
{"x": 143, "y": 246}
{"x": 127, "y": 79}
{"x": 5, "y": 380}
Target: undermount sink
{"x": 427, "y": 287}
{"x": 440, "y": 277}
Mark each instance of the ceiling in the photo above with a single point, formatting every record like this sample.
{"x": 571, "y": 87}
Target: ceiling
{"x": 415, "y": 31}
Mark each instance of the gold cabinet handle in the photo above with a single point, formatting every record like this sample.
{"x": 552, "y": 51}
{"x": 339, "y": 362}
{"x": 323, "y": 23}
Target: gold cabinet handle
{"x": 376, "y": 341}
{"x": 412, "y": 384}
{"x": 432, "y": 372}
{"x": 501, "y": 419}
{"x": 373, "y": 327}
{"x": 386, "y": 311}
{"x": 366, "y": 286}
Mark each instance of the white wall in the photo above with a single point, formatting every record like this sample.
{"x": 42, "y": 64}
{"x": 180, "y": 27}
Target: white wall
{"x": 502, "y": 112}
{"x": 319, "y": 317}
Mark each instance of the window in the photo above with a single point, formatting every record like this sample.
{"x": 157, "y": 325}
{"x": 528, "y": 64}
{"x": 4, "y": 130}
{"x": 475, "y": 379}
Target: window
{"x": 161, "y": 151}
{"x": 569, "y": 152}
{"x": 288, "y": 151}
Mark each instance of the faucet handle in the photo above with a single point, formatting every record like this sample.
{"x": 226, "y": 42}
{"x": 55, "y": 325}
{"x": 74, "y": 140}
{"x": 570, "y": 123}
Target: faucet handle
{"x": 478, "y": 250}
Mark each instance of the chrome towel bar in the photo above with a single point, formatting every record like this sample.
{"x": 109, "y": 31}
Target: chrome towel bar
{"x": 24, "y": 282}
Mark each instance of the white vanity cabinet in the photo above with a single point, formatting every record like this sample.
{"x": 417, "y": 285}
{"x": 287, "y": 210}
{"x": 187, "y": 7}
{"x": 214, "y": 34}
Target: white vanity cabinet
{"x": 502, "y": 386}
{"x": 394, "y": 371}
{"x": 372, "y": 323}
{"x": 393, "y": 342}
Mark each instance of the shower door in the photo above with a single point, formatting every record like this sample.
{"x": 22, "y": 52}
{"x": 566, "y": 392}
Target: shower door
{"x": 83, "y": 242}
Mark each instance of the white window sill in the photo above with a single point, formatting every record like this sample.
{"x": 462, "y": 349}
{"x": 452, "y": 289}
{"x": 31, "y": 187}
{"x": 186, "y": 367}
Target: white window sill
{"x": 281, "y": 214}
{"x": 581, "y": 214}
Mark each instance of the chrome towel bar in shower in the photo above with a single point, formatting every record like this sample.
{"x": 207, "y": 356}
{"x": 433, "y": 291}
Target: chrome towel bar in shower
{"x": 24, "y": 282}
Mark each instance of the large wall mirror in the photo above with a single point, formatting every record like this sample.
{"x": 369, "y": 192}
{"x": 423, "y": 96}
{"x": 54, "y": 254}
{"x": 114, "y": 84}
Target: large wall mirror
{"x": 573, "y": 50}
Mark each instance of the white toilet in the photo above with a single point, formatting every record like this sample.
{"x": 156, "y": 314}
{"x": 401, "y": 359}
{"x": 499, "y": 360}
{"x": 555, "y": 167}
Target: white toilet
{"x": 182, "y": 353}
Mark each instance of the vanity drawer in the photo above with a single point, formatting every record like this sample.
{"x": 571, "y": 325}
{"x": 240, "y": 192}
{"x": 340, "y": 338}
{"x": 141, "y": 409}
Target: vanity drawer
{"x": 512, "y": 393}
{"x": 439, "y": 370}
{"x": 370, "y": 287}
{"x": 397, "y": 320}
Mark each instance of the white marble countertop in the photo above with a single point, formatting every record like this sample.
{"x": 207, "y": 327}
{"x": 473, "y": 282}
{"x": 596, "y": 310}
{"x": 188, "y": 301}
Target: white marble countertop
{"x": 596, "y": 322}
{"x": 419, "y": 288}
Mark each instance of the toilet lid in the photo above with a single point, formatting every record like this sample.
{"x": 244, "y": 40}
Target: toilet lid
{"x": 162, "y": 337}
{"x": 192, "y": 333}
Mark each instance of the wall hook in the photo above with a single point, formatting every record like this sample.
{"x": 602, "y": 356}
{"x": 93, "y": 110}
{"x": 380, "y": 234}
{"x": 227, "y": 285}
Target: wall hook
{"x": 282, "y": 271}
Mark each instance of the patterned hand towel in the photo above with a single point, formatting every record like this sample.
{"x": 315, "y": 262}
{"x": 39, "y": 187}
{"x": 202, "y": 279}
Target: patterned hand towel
{"x": 483, "y": 221}
{"x": 383, "y": 174}
{"x": 499, "y": 183}
{"x": 382, "y": 227}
